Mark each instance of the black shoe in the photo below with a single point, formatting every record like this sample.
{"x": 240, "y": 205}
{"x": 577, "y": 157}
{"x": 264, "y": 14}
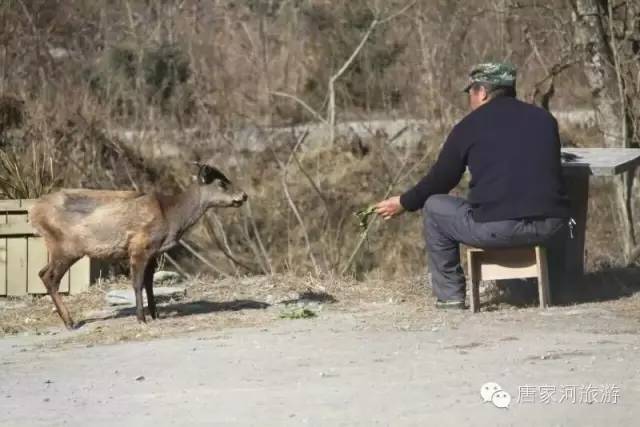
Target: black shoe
{"x": 453, "y": 304}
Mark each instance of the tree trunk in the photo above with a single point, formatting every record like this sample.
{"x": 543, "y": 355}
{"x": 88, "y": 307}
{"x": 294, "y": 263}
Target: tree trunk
{"x": 591, "y": 24}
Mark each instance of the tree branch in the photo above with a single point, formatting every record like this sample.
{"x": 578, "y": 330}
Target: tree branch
{"x": 306, "y": 106}
{"x": 331, "y": 108}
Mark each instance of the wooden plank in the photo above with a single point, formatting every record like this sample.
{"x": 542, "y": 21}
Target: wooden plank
{"x": 16, "y": 204}
{"x": 16, "y": 253}
{"x": 501, "y": 264}
{"x": 543, "y": 277}
{"x": 474, "y": 279}
{"x": 499, "y": 271}
{"x": 17, "y": 218}
{"x": 16, "y": 266}
{"x": 21, "y": 255}
{"x": 14, "y": 210}
{"x": 9, "y": 204}
{"x": 26, "y": 204}
{"x": 37, "y": 259}
{"x": 600, "y": 161}
{"x": 16, "y": 228}
{"x": 80, "y": 276}
{"x": 3, "y": 266}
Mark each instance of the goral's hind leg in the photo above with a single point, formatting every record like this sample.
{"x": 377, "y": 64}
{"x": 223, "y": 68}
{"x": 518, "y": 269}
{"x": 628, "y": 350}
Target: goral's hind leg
{"x": 51, "y": 276}
{"x": 43, "y": 271}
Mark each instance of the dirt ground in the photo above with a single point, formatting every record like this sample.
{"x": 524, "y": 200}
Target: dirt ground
{"x": 373, "y": 354}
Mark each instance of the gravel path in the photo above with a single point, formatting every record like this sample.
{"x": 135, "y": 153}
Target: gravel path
{"x": 377, "y": 365}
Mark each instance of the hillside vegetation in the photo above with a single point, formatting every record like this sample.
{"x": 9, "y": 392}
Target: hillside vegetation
{"x": 89, "y": 91}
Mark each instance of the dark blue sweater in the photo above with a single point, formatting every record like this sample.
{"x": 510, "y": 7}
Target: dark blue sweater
{"x": 512, "y": 150}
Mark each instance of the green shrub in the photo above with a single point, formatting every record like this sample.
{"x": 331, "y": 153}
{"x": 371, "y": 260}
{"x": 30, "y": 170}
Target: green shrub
{"x": 338, "y": 30}
{"x": 129, "y": 77}
{"x": 11, "y": 113}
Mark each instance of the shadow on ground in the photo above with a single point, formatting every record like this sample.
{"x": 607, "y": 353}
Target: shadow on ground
{"x": 204, "y": 307}
{"x": 603, "y": 285}
{"x": 186, "y": 309}
{"x": 311, "y": 296}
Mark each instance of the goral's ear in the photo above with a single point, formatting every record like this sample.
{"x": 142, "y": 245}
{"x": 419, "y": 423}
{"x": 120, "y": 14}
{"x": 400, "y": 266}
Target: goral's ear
{"x": 199, "y": 165}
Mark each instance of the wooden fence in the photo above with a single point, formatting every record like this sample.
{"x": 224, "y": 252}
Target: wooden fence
{"x": 23, "y": 254}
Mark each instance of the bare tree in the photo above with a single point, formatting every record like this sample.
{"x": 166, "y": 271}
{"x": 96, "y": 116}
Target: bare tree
{"x": 598, "y": 43}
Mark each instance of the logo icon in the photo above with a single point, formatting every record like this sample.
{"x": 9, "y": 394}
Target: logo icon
{"x": 492, "y": 392}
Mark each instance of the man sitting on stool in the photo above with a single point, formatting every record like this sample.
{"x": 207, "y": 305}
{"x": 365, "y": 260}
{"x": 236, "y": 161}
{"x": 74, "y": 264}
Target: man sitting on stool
{"x": 517, "y": 195}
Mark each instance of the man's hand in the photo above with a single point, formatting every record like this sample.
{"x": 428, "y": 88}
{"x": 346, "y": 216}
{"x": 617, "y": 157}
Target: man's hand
{"x": 389, "y": 208}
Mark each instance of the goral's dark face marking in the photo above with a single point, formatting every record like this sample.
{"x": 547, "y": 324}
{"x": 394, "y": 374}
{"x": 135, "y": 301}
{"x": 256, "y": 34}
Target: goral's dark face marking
{"x": 207, "y": 174}
{"x": 217, "y": 190}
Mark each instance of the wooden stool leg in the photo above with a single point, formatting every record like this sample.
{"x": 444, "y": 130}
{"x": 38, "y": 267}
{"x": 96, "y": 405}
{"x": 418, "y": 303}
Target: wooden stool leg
{"x": 475, "y": 283}
{"x": 543, "y": 277}
{"x": 475, "y": 296}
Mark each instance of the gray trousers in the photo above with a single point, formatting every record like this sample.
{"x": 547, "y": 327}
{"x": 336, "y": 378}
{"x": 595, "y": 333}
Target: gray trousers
{"x": 448, "y": 222}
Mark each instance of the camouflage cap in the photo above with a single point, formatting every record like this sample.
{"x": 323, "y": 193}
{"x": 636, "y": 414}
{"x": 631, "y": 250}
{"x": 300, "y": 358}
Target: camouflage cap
{"x": 495, "y": 73}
